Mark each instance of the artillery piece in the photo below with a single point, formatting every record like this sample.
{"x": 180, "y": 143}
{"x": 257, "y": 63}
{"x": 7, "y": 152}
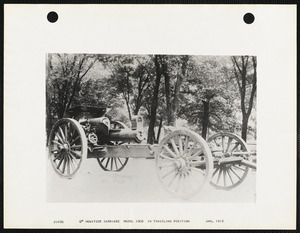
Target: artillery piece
{"x": 185, "y": 162}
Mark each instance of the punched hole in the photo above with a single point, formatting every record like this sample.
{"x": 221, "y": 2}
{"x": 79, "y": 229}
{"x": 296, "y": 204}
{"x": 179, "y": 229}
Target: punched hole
{"x": 249, "y": 18}
{"x": 52, "y": 16}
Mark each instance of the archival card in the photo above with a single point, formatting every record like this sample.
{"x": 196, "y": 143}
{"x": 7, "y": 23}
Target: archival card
{"x": 150, "y": 116}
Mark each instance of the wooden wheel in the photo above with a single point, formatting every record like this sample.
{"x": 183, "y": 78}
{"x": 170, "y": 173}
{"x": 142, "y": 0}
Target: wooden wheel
{"x": 114, "y": 164}
{"x": 184, "y": 163}
{"x": 228, "y": 175}
{"x": 67, "y": 147}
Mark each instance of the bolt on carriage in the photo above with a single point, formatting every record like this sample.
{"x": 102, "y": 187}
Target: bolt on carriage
{"x": 185, "y": 162}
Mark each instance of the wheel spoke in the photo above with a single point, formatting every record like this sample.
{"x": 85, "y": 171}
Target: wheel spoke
{"x": 72, "y": 164}
{"x": 116, "y": 164}
{"x": 239, "y": 168}
{"x": 168, "y": 173}
{"x": 230, "y": 176}
{"x": 66, "y": 132}
{"x": 220, "y": 172}
{"x": 68, "y": 167}
{"x": 182, "y": 163}
{"x": 57, "y": 135}
{"x": 166, "y": 165}
{"x": 70, "y": 130}
{"x": 166, "y": 157}
{"x": 236, "y": 145}
{"x": 198, "y": 170}
{"x": 188, "y": 181}
{"x": 77, "y": 153}
{"x": 111, "y": 164}
{"x": 170, "y": 183}
{"x": 66, "y": 154}
{"x": 62, "y": 134}
{"x": 186, "y": 144}
{"x": 102, "y": 159}
{"x": 64, "y": 165}
{"x": 74, "y": 140}
{"x": 57, "y": 157}
{"x": 107, "y": 162}
{"x": 177, "y": 184}
{"x": 78, "y": 147}
{"x": 217, "y": 144}
{"x": 61, "y": 160}
{"x": 234, "y": 173}
{"x": 190, "y": 151}
{"x": 169, "y": 151}
{"x": 228, "y": 144}
{"x": 180, "y": 145}
{"x": 223, "y": 143}
{"x": 175, "y": 147}
{"x": 56, "y": 142}
{"x": 195, "y": 179}
{"x": 216, "y": 170}
{"x": 120, "y": 162}
{"x": 73, "y": 158}
{"x": 199, "y": 152}
{"x": 224, "y": 176}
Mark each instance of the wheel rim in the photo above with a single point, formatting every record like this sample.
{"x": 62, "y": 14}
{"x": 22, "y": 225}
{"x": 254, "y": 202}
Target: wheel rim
{"x": 184, "y": 163}
{"x": 228, "y": 176}
{"x": 112, "y": 164}
{"x": 67, "y": 147}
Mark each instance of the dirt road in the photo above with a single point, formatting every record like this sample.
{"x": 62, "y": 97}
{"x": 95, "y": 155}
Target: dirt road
{"x": 137, "y": 182}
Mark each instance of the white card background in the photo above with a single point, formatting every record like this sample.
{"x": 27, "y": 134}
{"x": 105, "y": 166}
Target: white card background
{"x": 149, "y": 29}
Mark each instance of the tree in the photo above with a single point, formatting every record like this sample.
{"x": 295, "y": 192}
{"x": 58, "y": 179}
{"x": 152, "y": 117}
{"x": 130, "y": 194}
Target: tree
{"x": 206, "y": 112}
{"x": 154, "y": 102}
{"x": 122, "y": 79}
{"x": 244, "y": 68}
{"x": 174, "y": 69}
{"x": 64, "y": 75}
{"x": 66, "y": 72}
{"x": 131, "y": 75}
{"x": 200, "y": 91}
{"x": 209, "y": 96}
{"x": 143, "y": 75}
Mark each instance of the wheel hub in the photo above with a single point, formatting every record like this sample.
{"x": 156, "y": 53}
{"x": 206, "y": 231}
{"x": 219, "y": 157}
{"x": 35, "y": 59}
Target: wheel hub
{"x": 226, "y": 155}
{"x": 182, "y": 165}
{"x": 65, "y": 147}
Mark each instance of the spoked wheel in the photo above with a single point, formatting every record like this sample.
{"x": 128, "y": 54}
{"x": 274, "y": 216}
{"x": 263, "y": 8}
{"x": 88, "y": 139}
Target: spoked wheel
{"x": 184, "y": 163}
{"x": 67, "y": 147}
{"x": 114, "y": 164}
{"x": 226, "y": 145}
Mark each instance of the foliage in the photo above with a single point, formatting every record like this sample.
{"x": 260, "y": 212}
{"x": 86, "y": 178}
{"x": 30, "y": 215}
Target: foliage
{"x": 245, "y": 75}
{"x": 199, "y": 91}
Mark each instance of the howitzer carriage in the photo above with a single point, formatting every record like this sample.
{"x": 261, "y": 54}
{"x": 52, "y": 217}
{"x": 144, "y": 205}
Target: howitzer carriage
{"x": 185, "y": 162}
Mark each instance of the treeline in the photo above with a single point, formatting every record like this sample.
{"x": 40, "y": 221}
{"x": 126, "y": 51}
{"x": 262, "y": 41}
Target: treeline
{"x": 207, "y": 93}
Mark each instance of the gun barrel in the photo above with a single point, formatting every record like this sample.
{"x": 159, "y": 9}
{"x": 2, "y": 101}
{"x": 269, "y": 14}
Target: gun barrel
{"x": 126, "y": 135}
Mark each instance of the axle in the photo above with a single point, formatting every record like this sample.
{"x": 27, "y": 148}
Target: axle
{"x": 228, "y": 160}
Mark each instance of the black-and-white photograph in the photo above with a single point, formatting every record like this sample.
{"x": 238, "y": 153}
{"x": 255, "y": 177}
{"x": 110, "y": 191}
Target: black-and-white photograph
{"x": 151, "y": 128}
{"x": 150, "y": 116}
